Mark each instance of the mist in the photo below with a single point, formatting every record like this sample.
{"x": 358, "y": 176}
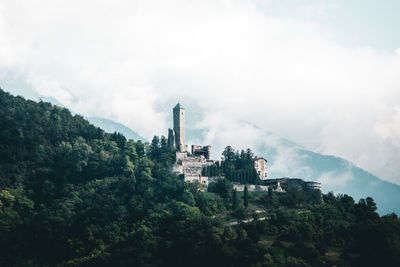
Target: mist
{"x": 244, "y": 70}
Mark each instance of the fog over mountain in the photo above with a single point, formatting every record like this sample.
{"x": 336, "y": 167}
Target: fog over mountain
{"x": 305, "y": 71}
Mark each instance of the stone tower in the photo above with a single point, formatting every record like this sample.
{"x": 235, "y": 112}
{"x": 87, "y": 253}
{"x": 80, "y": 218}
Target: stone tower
{"x": 176, "y": 136}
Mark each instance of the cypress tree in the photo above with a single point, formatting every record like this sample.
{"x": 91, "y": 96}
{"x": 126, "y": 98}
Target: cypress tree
{"x": 245, "y": 196}
{"x": 214, "y": 170}
{"x": 234, "y": 199}
{"x": 270, "y": 192}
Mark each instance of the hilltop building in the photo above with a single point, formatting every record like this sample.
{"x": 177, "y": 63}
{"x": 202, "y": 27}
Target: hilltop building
{"x": 286, "y": 182}
{"x": 281, "y": 185}
{"x": 176, "y": 136}
{"x": 260, "y": 164}
{"x": 190, "y": 167}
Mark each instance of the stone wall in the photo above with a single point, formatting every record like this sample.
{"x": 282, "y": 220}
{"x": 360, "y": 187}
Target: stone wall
{"x": 204, "y": 151}
{"x": 250, "y": 187}
{"x": 201, "y": 179}
{"x": 190, "y": 167}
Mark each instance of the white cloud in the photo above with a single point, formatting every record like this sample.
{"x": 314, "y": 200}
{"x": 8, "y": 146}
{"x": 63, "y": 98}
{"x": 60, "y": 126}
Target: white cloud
{"x": 123, "y": 59}
{"x": 289, "y": 163}
{"x": 335, "y": 180}
{"x": 390, "y": 129}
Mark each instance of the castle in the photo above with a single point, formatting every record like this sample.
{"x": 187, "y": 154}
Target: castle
{"x": 190, "y": 166}
{"x": 176, "y": 136}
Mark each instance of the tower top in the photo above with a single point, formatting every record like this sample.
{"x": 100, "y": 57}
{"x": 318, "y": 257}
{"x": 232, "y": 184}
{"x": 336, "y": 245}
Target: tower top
{"x": 178, "y": 106}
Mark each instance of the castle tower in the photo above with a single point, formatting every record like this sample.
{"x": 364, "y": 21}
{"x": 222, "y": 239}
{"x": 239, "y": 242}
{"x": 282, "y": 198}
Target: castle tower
{"x": 171, "y": 138}
{"x": 179, "y": 127}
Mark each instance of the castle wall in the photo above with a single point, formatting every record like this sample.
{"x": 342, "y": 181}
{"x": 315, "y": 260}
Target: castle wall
{"x": 199, "y": 151}
{"x": 312, "y": 185}
{"x": 175, "y": 169}
{"x": 190, "y": 167}
{"x": 250, "y": 187}
{"x": 201, "y": 179}
{"x": 181, "y": 156}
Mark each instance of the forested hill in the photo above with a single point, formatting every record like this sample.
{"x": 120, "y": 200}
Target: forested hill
{"x": 73, "y": 195}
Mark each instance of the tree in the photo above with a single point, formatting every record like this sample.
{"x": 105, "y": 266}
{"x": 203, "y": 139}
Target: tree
{"x": 249, "y": 154}
{"x": 163, "y": 142}
{"x": 228, "y": 154}
{"x": 370, "y": 204}
{"x": 245, "y": 196}
{"x": 223, "y": 187}
{"x": 239, "y": 212}
{"x": 155, "y": 148}
{"x": 234, "y": 199}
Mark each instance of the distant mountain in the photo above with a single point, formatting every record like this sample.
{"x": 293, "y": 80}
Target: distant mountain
{"x": 286, "y": 159}
{"x": 112, "y": 126}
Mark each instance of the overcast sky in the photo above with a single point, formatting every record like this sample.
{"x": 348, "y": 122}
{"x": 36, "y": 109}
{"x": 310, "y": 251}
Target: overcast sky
{"x": 324, "y": 74}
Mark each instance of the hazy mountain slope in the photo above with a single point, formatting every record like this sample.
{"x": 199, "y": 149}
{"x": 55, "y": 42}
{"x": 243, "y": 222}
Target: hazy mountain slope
{"x": 339, "y": 175}
{"x": 335, "y": 174}
{"x": 112, "y": 126}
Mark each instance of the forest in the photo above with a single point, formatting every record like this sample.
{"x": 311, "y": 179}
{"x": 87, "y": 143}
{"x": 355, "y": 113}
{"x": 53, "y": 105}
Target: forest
{"x": 73, "y": 195}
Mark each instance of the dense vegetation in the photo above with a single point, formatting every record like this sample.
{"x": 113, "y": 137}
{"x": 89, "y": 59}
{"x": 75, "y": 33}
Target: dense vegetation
{"x": 72, "y": 195}
{"x": 235, "y": 166}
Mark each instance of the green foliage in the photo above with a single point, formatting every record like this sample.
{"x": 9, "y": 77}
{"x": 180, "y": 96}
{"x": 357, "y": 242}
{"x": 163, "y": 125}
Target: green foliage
{"x": 223, "y": 187}
{"x": 239, "y": 212}
{"x": 239, "y": 167}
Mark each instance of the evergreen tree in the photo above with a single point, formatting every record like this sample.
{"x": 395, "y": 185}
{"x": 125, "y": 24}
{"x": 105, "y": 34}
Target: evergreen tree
{"x": 228, "y": 154}
{"x": 245, "y": 196}
{"x": 269, "y": 192}
{"x": 249, "y": 154}
{"x": 163, "y": 143}
{"x": 234, "y": 199}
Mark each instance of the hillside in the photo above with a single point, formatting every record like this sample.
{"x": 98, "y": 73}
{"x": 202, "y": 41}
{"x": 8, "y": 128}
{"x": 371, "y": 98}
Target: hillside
{"x": 74, "y": 195}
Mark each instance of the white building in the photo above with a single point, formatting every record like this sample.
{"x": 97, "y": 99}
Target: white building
{"x": 260, "y": 164}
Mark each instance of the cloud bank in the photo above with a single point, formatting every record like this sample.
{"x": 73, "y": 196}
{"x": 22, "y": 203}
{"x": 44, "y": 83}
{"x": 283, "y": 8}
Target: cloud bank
{"x": 130, "y": 60}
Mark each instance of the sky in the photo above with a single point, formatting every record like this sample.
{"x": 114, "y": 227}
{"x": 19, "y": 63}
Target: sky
{"x": 323, "y": 74}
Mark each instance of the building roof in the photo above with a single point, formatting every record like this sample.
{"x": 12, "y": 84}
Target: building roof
{"x": 257, "y": 158}
{"x": 178, "y": 106}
